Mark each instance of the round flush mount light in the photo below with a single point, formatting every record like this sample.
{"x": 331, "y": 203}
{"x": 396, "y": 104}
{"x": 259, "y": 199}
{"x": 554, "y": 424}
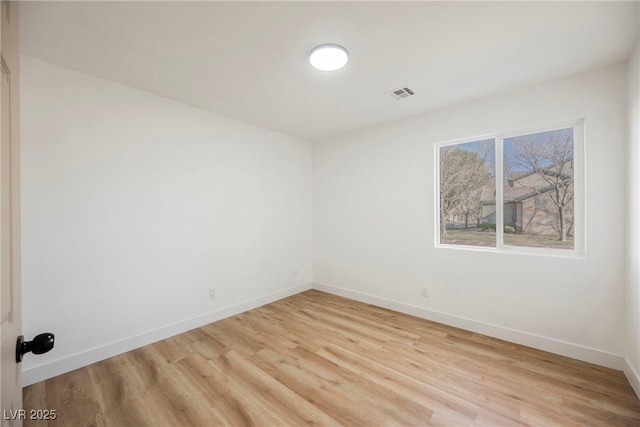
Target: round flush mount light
{"x": 329, "y": 57}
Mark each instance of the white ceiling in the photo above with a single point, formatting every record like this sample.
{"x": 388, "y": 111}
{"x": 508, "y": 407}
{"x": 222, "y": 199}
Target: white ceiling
{"x": 249, "y": 61}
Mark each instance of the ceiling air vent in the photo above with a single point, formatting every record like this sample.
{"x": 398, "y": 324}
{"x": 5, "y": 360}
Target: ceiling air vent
{"x": 401, "y": 92}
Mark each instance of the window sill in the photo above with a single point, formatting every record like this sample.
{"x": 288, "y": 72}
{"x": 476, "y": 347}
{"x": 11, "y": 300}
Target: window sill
{"x": 514, "y": 250}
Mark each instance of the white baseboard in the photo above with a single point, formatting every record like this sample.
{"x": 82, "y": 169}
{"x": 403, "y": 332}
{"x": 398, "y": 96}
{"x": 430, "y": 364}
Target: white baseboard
{"x": 96, "y": 354}
{"x": 551, "y": 345}
{"x": 632, "y": 376}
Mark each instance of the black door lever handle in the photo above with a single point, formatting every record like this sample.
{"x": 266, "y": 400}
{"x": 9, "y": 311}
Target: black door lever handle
{"x": 42, "y": 343}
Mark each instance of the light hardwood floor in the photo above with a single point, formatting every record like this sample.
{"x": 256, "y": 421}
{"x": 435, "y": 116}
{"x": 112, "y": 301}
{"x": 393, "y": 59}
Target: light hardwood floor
{"x": 318, "y": 359}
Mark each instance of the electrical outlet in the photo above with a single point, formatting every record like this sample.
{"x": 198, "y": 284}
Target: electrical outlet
{"x": 212, "y": 293}
{"x": 425, "y": 292}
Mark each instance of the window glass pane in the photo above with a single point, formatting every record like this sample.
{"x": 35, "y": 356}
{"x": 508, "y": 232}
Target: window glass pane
{"x": 538, "y": 190}
{"x": 467, "y": 194}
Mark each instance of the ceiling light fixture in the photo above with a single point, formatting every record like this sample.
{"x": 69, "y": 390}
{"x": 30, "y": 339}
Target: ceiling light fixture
{"x": 329, "y": 57}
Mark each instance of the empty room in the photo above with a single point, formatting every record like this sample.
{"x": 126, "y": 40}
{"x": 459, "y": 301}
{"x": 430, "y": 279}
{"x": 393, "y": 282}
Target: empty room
{"x": 320, "y": 213}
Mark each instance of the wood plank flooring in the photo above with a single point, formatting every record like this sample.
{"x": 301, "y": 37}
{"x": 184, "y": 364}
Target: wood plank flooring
{"x": 318, "y": 359}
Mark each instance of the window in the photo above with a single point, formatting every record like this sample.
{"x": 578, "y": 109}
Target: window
{"x": 516, "y": 192}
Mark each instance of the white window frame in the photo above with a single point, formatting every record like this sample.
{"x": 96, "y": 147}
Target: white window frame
{"x": 579, "y": 197}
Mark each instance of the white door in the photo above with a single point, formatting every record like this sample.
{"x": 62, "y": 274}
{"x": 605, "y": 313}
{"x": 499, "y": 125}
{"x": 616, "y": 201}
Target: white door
{"x": 10, "y": 371}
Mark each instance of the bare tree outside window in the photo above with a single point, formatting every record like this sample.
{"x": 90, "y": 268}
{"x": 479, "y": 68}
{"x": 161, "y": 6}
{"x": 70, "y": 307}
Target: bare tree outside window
{"x": 539, "y": 189}
{"x": 469, "y": 209}
{"x": 465, "y": 171}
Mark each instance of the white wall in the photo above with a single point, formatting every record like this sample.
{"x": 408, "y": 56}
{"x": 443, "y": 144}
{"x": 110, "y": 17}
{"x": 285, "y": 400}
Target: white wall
{"x": 632, "y": 336}
{"x": 135, "y": 205}
{"x": 374, "y": 223}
